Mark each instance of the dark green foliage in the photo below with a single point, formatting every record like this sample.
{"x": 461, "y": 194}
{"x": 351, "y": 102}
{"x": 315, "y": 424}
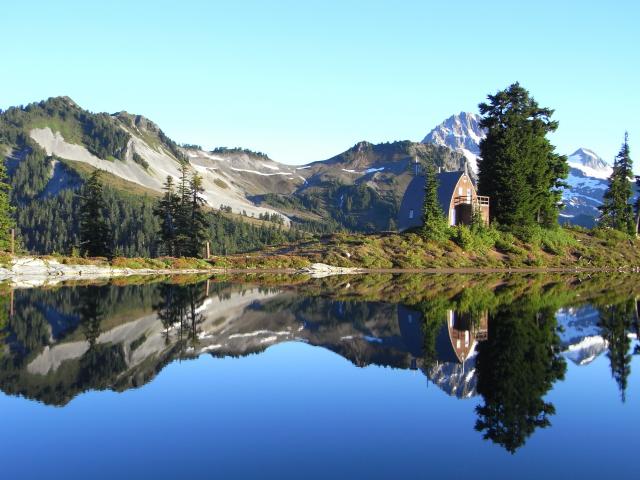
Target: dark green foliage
{"x": 102, "y": 137}
{"x": 46, "y": 222}
{"x": 96, "y": 239}
{"x": 166, "y": 211}
{"x": 6, "y": 210}
{"x": 516, "y": 367}
{"x": 637, "y": 206}
{"x": 519, "y": 169}
{"x": 239, "y": 150}
{"x": 434, "y": 223}
{"x": 98, "y": 132}
{"x": 271, "y": 217}
{"x": 616, "y": 321}
{"x": 197, "y": 221}
{"x": 617, "y": 209}
{"x": 229, "y": 236}
{"x": 183, "y": 223}
{"x": 140, "y": 161}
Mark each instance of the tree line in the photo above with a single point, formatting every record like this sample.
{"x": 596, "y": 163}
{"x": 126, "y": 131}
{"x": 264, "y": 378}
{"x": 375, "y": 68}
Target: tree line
{"x": 183, "y": 223}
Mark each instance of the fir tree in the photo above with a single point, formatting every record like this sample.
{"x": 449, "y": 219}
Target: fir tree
{"x": 183, "y": 214}
{"x": 6, "y": 211}
{"x": 434, "y": 223}
{"x": 638, "y": 206}
{"x": 519, "y": 169}
{"x": 166, "y": 210}
{"x": 198, "y": 224}
{"x": 95, "y": 235}
{"x": 616, "y": 209}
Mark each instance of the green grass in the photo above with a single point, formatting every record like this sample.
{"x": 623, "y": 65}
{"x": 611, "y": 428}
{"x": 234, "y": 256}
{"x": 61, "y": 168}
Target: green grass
{"x": 556, "y": 248}
{"x": 70, "y": 130}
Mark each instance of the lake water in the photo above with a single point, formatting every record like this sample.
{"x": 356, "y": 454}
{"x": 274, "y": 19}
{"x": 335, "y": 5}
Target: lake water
{"x": 376, "y": 376}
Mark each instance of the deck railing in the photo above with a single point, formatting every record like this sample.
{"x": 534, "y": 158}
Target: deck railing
{"x": 480, "y": 200}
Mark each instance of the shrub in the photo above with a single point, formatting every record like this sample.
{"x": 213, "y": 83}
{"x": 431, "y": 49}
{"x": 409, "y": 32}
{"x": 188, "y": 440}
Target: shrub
{"x": 463, "y": 237}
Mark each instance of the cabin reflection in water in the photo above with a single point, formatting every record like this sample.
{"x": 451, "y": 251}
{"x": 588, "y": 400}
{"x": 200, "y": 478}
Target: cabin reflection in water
{"x": 462, "y": 334}
{"x": 456, "y": 342}
{"x": 457, "y": 338}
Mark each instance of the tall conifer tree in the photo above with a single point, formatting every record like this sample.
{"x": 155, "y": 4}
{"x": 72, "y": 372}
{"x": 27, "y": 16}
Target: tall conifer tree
{"x": 519, "y": 169}
{"x": 617, "y": 209}
{"x": 6, "y": 211}
{"x": 96, "y": 239}
{"x": 166, "y": 211}
{"x": 183, "y": 213}
{"x": 434, "y": 223}
{"x": 198, "y": 224}
{"x": 638, "y": 206}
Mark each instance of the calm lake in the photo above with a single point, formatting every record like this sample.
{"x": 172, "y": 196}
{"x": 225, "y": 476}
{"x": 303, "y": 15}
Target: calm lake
{"x": 371, "y": 376}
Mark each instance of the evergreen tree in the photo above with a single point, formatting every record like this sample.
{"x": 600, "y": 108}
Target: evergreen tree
{"x": 638, "y": 206}
{"x": 183, "y": 214}
{"x": 198, "y": 224}
{"x": 166, "y": 210}
{"x": 6, "y": 211}
{"x": 434, "y": 223}
{"x": 95, "y": 235}
{"x": 616, "y": 209}
{"x": 519, "y": 169}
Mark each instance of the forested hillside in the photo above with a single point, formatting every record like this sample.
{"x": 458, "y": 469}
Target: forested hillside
{"x": 45, "y": 188}
{"x": 50, "y": 147}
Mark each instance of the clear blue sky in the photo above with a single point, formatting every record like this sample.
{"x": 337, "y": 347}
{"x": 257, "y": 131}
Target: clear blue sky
{"x": 304, "y": 80}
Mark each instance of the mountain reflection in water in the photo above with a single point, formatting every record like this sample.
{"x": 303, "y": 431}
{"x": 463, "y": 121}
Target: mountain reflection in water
{"x": 506, "y": 339}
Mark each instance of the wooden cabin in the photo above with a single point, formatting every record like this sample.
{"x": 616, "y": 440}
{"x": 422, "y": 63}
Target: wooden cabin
{"x": 457, "y": 196}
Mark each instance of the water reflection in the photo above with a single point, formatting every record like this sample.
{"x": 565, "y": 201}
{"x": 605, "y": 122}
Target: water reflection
{"x": 505, "y": 339}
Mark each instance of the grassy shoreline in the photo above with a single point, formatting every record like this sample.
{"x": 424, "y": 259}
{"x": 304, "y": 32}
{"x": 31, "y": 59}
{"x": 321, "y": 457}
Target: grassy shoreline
{"x": 565, "y": 250}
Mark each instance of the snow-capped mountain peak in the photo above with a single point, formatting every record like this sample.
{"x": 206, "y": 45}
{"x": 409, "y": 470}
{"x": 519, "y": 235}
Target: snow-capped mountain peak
{"x": 589, "y": 163}
{"x": 461, "y": 132}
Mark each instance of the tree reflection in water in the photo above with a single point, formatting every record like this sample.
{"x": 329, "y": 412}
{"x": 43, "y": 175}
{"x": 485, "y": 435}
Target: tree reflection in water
{"x": 516, "y": 367}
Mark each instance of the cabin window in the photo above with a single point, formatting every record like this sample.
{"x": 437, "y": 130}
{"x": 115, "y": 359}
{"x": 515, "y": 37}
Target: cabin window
{"x": 410, "y": 213}
{"x": 460, "y": 191}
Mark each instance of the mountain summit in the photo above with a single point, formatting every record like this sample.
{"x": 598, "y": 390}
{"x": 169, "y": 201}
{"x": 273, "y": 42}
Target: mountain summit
{"x": 589, "y": 163}
{"x": 462, "y": 133}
